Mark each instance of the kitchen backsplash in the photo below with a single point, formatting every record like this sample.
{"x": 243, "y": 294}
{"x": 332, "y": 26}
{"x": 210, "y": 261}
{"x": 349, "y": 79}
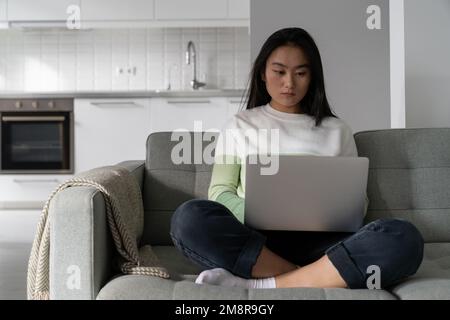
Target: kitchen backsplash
{"x": 122, "y": 59}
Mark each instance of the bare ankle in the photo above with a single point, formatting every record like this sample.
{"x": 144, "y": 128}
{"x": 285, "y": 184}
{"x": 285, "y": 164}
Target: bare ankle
{"x": 270, "y": 264}
{"x": 319, "y": 274}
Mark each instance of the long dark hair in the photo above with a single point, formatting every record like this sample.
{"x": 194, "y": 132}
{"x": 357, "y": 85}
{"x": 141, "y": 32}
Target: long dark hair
{"x": 315, "y": 102}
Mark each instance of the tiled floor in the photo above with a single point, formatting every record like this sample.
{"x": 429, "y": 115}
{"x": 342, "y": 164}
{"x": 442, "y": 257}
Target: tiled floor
{"x": 17, "y": 230}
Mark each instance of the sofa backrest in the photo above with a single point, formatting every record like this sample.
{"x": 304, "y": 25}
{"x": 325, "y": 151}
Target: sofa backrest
{"x": 409, "y": 177}
{"x": 167, "y": 184}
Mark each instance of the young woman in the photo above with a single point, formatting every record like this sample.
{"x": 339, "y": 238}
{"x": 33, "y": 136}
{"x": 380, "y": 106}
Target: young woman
{"x": 287, "y": 93}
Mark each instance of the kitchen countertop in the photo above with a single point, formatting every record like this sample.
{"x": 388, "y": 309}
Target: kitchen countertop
{"x": 124, "y": 94}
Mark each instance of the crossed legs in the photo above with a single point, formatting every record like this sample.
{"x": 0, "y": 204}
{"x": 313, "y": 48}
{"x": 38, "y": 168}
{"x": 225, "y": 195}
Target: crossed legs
{"x": 207, "y": 233}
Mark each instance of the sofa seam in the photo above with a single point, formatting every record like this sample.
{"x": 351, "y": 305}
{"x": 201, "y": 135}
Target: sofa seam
{"x": 397, "y": 129}
{"x": 176, "y": 169}
{"x": 408, "y": 168}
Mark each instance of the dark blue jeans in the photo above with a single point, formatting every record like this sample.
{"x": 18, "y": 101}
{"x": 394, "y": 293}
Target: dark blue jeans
{"x": 209, "y": 234}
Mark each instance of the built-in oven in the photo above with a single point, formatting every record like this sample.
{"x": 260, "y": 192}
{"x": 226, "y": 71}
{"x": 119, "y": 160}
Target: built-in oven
{"x": 36, "y": 136}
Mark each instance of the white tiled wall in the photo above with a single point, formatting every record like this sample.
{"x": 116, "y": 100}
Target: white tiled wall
{"x": 50, "y": 60}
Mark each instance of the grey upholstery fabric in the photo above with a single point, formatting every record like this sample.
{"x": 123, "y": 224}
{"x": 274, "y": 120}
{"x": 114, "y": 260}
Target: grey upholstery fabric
{"x": 167, "y": 185}
{"x": 81, "y": 244}
{"x": 423, "y": 289}
{"x": 136, "y": 167}
{"x": 432, "y": 280}
{"x": 175, "y": 262}
{"x": 151, "y": 288}
{"x": 408, "y": 178}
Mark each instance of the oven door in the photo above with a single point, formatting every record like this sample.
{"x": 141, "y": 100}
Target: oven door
{"x": 36, "y": 142}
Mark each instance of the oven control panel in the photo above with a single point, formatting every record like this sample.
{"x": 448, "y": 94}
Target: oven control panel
{"x": 36, "y": 104}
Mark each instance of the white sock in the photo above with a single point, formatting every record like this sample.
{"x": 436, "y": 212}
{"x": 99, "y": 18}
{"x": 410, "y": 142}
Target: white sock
{"x": 222, "y": 277}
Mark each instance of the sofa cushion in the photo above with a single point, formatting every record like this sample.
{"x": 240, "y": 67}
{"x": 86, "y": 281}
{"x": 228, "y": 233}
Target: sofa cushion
{"x": 167, "y": 185}
{"x": 182, "y": 286}
{"x": 153, "y": 288}
{"x": 436, "y": 262}
{"x": 423, "y": 289}
{"x": 175, "y": 261}
{"x": 432, "y": 280}
{"x": 409, "y": 175}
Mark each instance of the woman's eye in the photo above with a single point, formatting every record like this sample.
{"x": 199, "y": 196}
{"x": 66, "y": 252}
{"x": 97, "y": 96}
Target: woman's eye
{"x": 301, "y": 74}
{"x": 278, "y": 71}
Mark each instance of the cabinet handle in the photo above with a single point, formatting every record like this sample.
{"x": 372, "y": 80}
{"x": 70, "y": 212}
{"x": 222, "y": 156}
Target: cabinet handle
{"x": 32, "y": 119}
{"x": 235, "y": 101}
{"x": 187, "y": 101}
{"x": 114, "y": 104}
{"x": 36, "y": 180}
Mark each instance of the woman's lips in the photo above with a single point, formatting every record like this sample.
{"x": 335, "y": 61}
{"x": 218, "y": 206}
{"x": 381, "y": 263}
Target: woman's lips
{"x": 289, "y": 94}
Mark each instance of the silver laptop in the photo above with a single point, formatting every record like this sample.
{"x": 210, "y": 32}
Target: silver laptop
{"x": 308, "y": 193}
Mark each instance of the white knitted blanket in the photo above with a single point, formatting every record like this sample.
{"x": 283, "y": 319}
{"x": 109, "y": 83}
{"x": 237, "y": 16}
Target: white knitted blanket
{"x": 125, "y": 214}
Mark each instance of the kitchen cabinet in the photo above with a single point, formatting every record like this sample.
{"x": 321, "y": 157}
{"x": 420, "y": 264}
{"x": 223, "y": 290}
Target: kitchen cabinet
{"x": 108, "y": 131}
{"x": 239, "y": 9}
{"x": 190, "y": 9}
{"x": 193, "y": 114}
{"x": 42, "y": 10}
{"x": 128, "y": 14}
{"x": 234, "y": 105}
{"x": 3, "y": 8}
{"x": 114, "y": 130}
{"x": 28, "y": 191}
{"x": 112, "y": 10}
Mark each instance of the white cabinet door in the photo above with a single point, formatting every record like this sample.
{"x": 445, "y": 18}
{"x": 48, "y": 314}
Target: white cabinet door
{"x": 190, "y": 9}
{"x": 3, "y": 9}
{"x": 235, "y": 105}
{"x": 193, "y": 114}
{"x": 108, "y": 131}
{"x": 42, "y": 10}
{"x": 239, "y": 9}
{"x": 27, "y": 191}
{"x": 112, "y": 10}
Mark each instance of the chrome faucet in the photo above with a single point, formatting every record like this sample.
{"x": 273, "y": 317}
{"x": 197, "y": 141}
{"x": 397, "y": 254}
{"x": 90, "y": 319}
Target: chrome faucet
{"x": 191, "y": 55}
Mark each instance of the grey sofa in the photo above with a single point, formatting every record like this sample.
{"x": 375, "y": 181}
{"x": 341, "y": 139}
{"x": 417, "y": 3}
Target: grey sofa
{"x": 409, "y": 177}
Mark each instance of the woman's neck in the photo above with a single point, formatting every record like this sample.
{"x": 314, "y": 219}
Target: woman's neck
{"x": 292, "y": 109}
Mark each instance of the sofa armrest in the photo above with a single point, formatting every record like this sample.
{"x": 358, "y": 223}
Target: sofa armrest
{"x": 81, "y": 245}
{"x": 81, "y": 251}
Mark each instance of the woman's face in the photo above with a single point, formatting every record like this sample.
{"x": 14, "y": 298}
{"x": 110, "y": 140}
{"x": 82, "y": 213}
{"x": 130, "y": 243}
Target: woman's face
{"x": 287, "y": 77}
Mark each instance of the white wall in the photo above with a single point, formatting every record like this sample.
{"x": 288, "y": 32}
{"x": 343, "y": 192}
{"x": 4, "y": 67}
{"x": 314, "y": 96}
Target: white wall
{"x": 49, "y": 60}
{"x": 356, "y": 59}
{"x": 427, "y": 63}
{"x": 397, "y": 62}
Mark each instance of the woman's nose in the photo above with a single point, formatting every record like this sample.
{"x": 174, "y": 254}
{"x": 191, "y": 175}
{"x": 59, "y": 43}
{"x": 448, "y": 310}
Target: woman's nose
{"x": 288, "y": 81}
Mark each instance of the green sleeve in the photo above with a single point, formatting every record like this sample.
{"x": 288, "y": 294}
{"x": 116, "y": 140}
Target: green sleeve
{"x": 223, "y": 188}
